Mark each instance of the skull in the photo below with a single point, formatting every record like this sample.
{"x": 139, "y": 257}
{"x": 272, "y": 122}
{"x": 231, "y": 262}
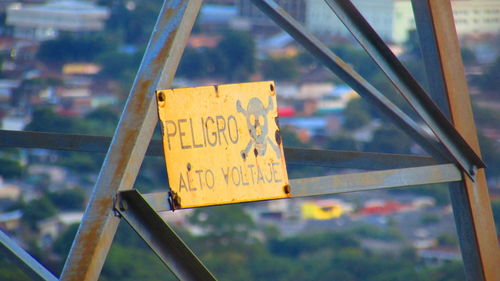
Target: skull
{"x": 256, "y": 115}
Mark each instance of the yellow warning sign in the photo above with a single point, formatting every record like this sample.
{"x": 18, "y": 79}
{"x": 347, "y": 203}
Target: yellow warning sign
{"x": 222, "y": 144}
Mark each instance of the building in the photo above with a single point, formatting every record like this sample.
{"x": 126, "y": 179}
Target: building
{"x": 45, "y": 21}
{"x": 259, "y": 21}
{"x": 393, "y": 19}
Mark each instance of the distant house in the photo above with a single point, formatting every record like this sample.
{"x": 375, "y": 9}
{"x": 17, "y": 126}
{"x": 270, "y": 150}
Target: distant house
{"x": 52, "y": 227}
{"x": 439, "y": 255}
{"x": 45, "y": 21}
{"x": 324, "y": 209}
{"x": 10, "y": 220}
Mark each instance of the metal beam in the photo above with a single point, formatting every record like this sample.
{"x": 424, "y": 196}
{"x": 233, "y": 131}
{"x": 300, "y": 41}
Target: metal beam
{"x": 404, "y": 82}
{"x": 350, "y": 182}
{"x": 294, "y": 156}
{"x": 160, "y": 237}
{"x": 131, "y": 139}
{"x": 470, "y": 200}
{"x": 24, "y": 260}
{"x": 352, "y": 78}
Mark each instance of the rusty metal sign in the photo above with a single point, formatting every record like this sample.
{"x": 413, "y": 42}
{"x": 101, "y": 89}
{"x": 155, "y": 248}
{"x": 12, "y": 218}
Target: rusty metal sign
{"x": 222, "y": 144}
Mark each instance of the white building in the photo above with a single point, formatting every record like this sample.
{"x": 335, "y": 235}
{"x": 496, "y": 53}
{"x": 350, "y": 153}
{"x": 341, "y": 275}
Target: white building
{"x": 44, "y": 21}
{"x": 393, "y": 19}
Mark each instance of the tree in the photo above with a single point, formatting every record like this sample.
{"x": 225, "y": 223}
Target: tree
{"x": 10, "y": 168}
{"x": 356, "y": 115}
{"x": 68, "y": 48}
{"x": 68, "y": 199}
{"x": 239, "y": 48}
{"x": 46, "y": 120}
{"x": 280, "y": 68}
{"x": 37, "y": 210}
{"x": 389, "y": 140}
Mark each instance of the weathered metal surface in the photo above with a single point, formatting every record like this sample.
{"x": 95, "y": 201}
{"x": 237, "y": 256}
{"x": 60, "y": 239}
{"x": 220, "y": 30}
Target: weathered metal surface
{"x": 471, "y": 203}
{"x": 353, "y": 79}
{"x": 162, "y": 239}
{"x": 222, "y": 144}
{"x": 352, "y": 182}
{"x": 24, "y": 260}
{"x": 294, "y": 156}
{"x": 375, "y": 180}
{"x": 131, "y": 139}
{"x": 409, "y": 88}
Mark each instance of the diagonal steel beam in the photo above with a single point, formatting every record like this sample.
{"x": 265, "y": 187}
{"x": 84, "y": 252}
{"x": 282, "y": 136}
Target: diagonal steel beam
{"x": 352, "y": 182}
{"x": 24, "y": 260}
{"x": 470, "y": 200}
{"x": 294, "y": 156}
{"x": 409, "y": 88}
{"x": 352, "y": 78}
{"x": 131, "y": 139}
{"x": 160, "y": 237}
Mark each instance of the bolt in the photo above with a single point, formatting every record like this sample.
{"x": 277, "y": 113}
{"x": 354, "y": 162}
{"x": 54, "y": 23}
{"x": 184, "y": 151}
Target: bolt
{"x": 271, "y": 87}
{"x": 287, "y": 188}
{"x": 123, "y": 205}
{"x": 161, "y": 96}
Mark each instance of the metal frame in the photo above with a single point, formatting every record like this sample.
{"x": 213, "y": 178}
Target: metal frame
{"x": 112, "y": 198}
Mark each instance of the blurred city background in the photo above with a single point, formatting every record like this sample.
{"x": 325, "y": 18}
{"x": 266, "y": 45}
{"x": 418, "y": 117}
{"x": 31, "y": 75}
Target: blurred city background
{"x": 67, "y": 66}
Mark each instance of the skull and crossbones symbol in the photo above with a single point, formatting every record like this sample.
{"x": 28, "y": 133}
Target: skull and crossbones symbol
{"x": 256, "y": 115}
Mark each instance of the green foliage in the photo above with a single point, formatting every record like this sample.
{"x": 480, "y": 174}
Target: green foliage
{"x": 389, "y": 140}
{"x": 63, "y": 243}
{"x": 37, "y": 210}
{"x": 10, "y": 168}
{"x": 342, "y": 142}
{"x": 448, "y": 239}
{"x": 280, "y": 69}
{"x": 69, "y": 48}
{"x": 46, "y": 120}
{"x": 429, "y": 219}
{"x": 239, "y": 48}
{"x": 68, "y": 199}
{"x": 356, "y": 115}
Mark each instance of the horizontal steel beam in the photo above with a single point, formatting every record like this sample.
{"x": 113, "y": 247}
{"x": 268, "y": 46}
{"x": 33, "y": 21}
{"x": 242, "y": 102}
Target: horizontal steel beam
{"x": 349, "y": 182}
{"x": 294, "y": 156}
{"x": 409, "y": 88}
{"x": 24, "y": 260}
{"x": 340, "y": 68}
{"x": 160, "y": 237}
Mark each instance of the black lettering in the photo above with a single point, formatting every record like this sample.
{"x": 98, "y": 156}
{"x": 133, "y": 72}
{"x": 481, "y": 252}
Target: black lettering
{"x": 274, "y": 164}
{"x": 251, "y": 172}
{"x": 221, "y": 128}
{"x": 226, "y": 174}
{"x": 181, "y": 133}
{"x": 199, "y": 172}
{"x": 192, "y": 134}
{"x": 182, "y": 183}
{"x": 243, "y": 182}
{"x": 259, "y": 175}
{"x": 214, "y": 133}
{"x": 232, "y": 176}
{"x": 167, "y": 131}
{"x": 270, "y": 174}
{"x": 235, "y": 129}
{"x": 204, "y": 130}
{"x": 210, "y": 183}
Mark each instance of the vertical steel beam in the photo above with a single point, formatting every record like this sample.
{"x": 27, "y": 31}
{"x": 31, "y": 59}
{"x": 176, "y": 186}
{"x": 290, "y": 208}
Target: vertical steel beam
{"x": 406, "y": 85}
{"x": 131, "y": 139}
{"x": 25, "y": 261}
{"x": 471, "y": 202}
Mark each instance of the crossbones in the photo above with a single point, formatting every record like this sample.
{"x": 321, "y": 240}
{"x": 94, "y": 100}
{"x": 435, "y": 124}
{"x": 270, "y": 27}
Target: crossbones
{"x": 256, "y": 115}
